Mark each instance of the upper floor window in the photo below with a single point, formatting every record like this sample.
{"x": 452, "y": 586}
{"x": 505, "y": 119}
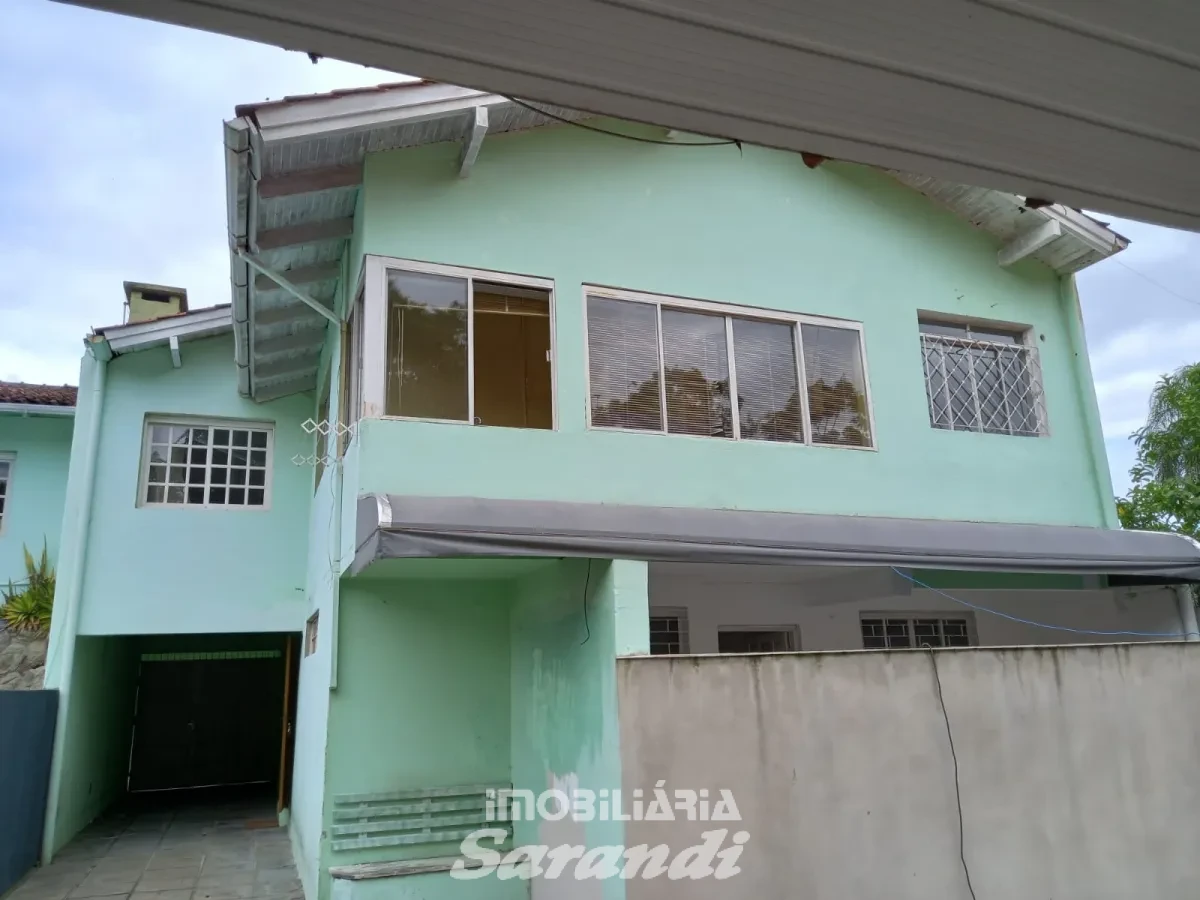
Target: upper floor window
{"x": 199, "y": 463}
{"x": 685, "y": 367}
{"x": 461, "y": 345}
{"x": 6, "y": 470}
{"x": 982, "y": 378}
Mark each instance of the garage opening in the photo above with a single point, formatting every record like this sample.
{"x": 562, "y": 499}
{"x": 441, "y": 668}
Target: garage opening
{"x": 214, "y": 713}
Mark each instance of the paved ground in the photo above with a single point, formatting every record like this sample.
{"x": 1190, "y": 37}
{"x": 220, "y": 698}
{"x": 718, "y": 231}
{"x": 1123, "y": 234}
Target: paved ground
{"x": 205, "y": 852}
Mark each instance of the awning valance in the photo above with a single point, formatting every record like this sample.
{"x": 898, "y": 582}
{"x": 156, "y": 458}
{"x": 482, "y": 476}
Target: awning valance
{"x": 391, "y": 527}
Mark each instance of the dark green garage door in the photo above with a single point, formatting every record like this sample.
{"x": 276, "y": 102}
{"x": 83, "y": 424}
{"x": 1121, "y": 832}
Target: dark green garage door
{"x": 207, "y": 719}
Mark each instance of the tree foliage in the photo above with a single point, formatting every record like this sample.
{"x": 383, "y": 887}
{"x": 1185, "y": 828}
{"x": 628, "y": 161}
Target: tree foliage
{"x": 1166, "y": 477}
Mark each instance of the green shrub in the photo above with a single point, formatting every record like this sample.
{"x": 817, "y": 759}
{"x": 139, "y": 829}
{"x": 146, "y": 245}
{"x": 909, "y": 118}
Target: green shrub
{"x": 28, "y": 607}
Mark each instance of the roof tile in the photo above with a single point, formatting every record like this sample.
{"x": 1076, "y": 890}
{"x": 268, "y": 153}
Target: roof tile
{"x": 37, "y": 394}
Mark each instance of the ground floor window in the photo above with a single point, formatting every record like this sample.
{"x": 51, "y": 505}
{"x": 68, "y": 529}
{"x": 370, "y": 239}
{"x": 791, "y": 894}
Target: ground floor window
{"x": 881, "y": 631}
{"x": 768, "y": 639}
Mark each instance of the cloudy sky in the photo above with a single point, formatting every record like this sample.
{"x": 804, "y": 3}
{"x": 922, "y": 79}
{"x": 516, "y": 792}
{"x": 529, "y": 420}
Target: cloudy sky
{"x": 111, "y": 168}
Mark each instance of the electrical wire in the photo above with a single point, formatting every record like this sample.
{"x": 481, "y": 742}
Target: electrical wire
{"x": 1012, "y": 618}
{"x": 1157, "y": 284}
{"x": 962, "y": 841}
{"x": 617, "y": 134}
{"x": 586, "y": 624}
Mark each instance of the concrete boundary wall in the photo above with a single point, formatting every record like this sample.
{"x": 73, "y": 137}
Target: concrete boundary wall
{"x": 1077, "y": 769}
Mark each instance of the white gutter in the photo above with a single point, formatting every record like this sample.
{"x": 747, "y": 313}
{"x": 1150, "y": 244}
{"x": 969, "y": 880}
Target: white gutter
{"x": 72, "y": 554}
{"x": 237, "y": 153}
{"x": 36, "y": 409}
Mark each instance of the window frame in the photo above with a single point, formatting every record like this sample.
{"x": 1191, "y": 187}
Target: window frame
{"x": 792, "y": 630}
{"x": 680, "y": 615}
{"x": 374, "y": 335}
{"x": 729, "y": 311}
{"x": 1024, "y": 332}
{"x": 10, "y": 457}
{"x": 911, "y": 616}
{"x": 188, "y": 421}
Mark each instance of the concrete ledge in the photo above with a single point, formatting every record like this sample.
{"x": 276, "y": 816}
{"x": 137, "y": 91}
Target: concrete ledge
{"x": 405, "y": 867}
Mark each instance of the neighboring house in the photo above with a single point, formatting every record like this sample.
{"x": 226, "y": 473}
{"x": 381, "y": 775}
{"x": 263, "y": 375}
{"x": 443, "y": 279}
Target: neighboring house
{"x": 503, "y": 406}
{"x": 35, "y": 449}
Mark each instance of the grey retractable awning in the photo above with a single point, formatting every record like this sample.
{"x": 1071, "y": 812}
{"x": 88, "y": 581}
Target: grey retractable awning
{"x": 391, "y": 527}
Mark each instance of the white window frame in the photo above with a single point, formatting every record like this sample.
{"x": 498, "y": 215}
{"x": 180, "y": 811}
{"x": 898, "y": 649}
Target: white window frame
{"x": 210, "y": 423}
{"x": 680, "y": 614}
{"x": 911, "y": 616}
{"x": 373, "y": 399}
{"x": 1026, "y": 333}
{"x": 9, "y": 457}
{"x": 793, "y": 630}
{"x": 742, "y": 312}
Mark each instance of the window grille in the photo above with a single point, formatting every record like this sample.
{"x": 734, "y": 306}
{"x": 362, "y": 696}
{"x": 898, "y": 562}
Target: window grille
{"x": 880, "y": 632}
{"x": 987, "y": 382}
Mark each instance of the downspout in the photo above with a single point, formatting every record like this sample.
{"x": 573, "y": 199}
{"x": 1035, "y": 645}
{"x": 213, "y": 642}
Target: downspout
{"x": 1091, "y": 407}
{"x": 241, "y": 158}
{"x": 335, "y": 603}
{"x": 64, "y": 622}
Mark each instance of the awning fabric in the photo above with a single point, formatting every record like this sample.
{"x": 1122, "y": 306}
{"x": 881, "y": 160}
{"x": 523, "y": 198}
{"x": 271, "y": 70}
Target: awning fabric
{"x": 392, "y": 527}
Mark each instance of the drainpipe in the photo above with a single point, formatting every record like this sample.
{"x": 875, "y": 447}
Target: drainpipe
{"x": 1187, "y": 612}
{"x": 72, "y": 555}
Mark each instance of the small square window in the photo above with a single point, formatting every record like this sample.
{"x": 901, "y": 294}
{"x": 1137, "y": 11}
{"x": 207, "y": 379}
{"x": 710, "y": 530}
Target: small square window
{"x": 208, "y": 465}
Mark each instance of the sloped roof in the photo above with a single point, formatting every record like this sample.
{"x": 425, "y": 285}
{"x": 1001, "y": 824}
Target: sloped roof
{"x": 37, "y": 394}
{"x": 294, "y": 171}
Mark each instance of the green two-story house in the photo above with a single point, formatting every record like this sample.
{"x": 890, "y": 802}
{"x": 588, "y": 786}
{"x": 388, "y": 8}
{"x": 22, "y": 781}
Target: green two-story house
{"x": 505, "y": 393}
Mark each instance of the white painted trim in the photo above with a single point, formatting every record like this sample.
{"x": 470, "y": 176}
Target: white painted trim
{"x": 188, "y": 421}
{"x": 375, "y": 109}
{"x": 1029, "y": 242}
{"x": 796, "y": 320}
{"x": 431, "y": 268}
{"x": 10, "y": 458}
{"x": 474, "y": 141}
{"x": 1086, "y": 229}
{"x": 731, "y": 363}
{"x": 36, "y": 409}
{"x": 190, "y": 326}
{"x": 173, "y": 343}
{"x": 374, "y": 301}
{"x": 729, "y": 309}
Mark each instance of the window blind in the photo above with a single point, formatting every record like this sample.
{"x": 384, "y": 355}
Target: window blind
{"x": 696, "y": 360}
{"x": 623, "y": 364}
{"x": 837, "y": 396}
{"x": 768, "y": 384}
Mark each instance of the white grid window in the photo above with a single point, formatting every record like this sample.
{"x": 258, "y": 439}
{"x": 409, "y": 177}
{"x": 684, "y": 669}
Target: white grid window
{"x": 668, "y": 631}
{"x": 6, "y": 469}
{"x": 880, "y": 631}
{"x": 981, "y": 378}
{"x": 223, "y": 464}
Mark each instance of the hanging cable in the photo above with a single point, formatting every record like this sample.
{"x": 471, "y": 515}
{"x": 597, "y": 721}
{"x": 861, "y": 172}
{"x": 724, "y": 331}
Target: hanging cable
{"x": 586, "y": 624}
{"x": 618, "y": 134}
{"x": 1011, "y": 618}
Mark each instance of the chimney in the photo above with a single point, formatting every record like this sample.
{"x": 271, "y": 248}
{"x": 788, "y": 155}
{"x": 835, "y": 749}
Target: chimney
{"x": 147, "y": 302}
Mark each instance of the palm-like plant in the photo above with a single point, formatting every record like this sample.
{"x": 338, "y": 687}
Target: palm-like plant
{"x": 1169, "y": 443}
{"x": 28, "y": 607}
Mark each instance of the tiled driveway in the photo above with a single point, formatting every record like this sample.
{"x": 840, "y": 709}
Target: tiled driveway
{"x": 207, "y": 852}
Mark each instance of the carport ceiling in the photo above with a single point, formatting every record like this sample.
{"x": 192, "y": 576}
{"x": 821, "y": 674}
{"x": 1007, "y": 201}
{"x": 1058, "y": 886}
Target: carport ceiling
{"x": 1089, "y": 103}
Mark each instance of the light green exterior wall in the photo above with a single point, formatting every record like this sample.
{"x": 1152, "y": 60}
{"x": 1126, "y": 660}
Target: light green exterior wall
{"x": 97, "y": 732}
{"x": 754, "y": 228}
{"x": 176, "y": 569}
{"x": 37, "y": 489}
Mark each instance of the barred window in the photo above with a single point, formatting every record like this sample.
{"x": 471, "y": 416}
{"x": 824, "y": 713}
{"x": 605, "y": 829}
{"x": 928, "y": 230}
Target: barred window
{"x": 668, "y": 631}
{"x": 223, "y": 464}
{"x": 880, "y": 632}
{"x": 980, "y": 378}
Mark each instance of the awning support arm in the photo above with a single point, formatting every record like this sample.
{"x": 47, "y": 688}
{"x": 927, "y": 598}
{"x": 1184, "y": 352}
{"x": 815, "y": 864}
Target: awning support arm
{"x": 289, "y": 287}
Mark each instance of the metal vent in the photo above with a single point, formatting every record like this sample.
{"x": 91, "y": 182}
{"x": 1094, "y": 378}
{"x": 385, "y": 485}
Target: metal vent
{"x": 400, "y": 818}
